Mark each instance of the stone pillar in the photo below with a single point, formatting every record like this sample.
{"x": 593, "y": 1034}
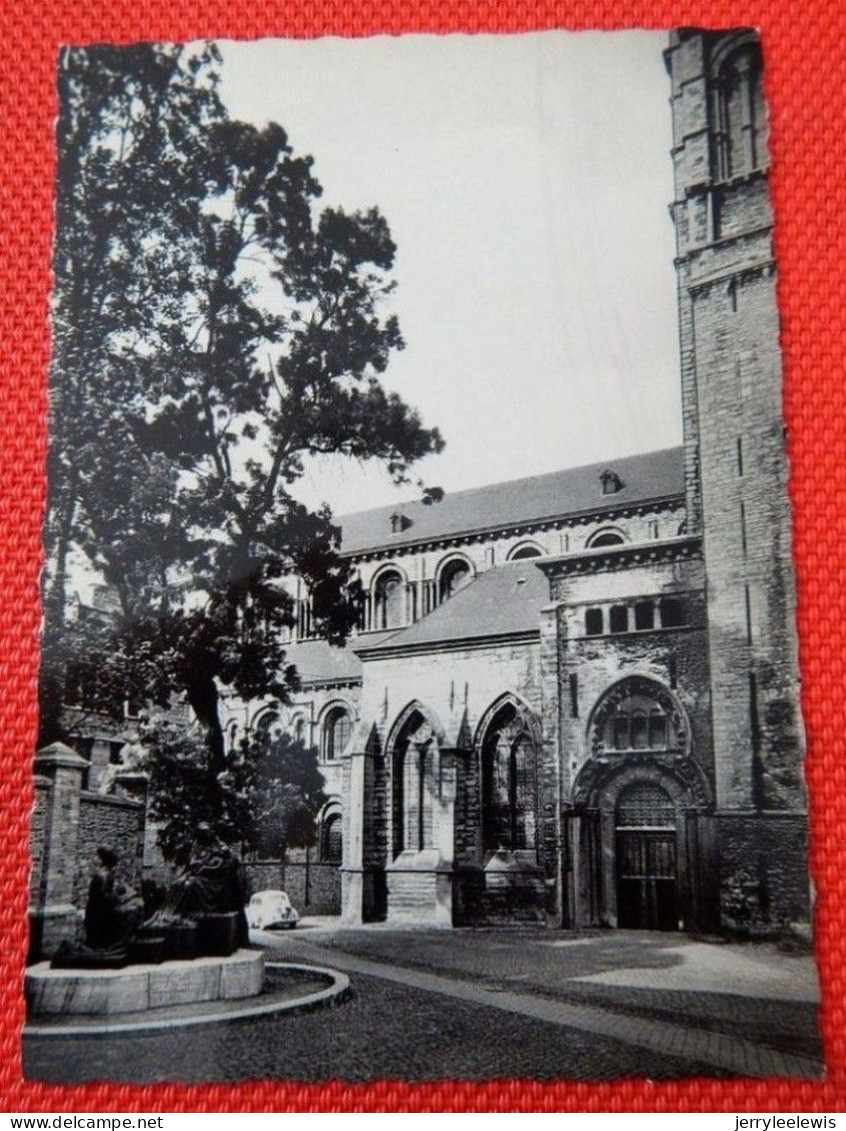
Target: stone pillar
{"x": 444, "y": 831}
{"x": 360, "y": 873}
{"x": 54, "y": 917}
{"x": 352, "y": 869}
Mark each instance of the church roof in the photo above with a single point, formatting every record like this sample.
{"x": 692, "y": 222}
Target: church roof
{"x": 502, "y": 601}
{"x": 319, "y": 662}
{"x": 576, "y": 490}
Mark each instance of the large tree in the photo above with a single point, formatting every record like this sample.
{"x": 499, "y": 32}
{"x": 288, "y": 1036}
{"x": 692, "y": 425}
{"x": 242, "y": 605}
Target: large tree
{"x": 214, "y": 330}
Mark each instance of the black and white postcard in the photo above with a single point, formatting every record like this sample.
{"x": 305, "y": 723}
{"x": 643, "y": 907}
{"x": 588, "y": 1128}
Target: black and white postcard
{"x": 419, "y": 693}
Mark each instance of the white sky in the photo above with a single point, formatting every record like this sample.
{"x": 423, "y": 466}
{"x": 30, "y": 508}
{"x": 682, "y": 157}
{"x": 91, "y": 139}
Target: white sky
{"x": 525, "y": 180}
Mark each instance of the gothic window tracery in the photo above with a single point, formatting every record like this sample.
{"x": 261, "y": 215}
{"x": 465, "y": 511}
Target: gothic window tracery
{"x": 637, "y": 723}
{"x": 414, "y": 786}
{"x": 638, "y": 713}
{"x": 509, "y": 785}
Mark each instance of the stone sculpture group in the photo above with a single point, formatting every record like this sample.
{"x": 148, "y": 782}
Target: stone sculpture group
{"x": 202, "y": 913}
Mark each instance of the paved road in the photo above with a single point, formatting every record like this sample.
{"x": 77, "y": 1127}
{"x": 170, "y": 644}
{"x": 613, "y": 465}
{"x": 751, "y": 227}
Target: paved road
{"x": 384, "y": 1031}
{"x": 739, "y": 1033}
{"x": 480, "y": 1005}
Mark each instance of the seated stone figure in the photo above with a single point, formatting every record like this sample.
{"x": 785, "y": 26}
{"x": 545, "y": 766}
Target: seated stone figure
{"x": 203, "y": 912}
{"x": 112, "y": 912}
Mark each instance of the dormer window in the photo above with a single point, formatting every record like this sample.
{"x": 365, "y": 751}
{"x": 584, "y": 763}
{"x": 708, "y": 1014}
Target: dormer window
{"x": 399, "y": 522}
{"x": 611, "y": 482}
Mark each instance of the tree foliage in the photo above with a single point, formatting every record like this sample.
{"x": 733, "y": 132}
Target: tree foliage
{"x": 266, "y": 800}
{"x": 213, "y": 330}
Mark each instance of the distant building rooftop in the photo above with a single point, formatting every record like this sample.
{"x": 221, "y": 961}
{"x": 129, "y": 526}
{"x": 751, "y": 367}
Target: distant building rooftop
{"x": 519, "y": 502}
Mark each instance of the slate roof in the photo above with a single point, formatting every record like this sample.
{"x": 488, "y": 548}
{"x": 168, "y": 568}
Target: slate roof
{"x": 317, "y": 661}
{"x": 501, "y": 601}
{"x": 654, "y": 475}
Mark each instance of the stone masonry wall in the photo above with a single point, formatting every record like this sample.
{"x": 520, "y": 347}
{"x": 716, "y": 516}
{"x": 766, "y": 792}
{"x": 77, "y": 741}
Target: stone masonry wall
{"x": 118, "y": 823}
{"x": 38, "y": 839}
{"x": 676, "y": 657}
{"x": 457, "y": 687}
{"x": 313, "y": 888}
{"x": 763, "y": 871}
{"x": 731, "y": 387}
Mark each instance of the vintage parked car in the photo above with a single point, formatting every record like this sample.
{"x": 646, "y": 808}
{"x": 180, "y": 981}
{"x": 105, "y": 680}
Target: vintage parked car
{"x": 271, "y": 910}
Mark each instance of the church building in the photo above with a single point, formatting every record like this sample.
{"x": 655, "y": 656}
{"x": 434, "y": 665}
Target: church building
{"x": 573, "y": 698}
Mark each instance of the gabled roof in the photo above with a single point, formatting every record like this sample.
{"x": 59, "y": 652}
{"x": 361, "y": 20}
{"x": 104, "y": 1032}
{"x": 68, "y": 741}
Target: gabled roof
{"x": 577, "y": 490}
{"x": 502, "y": 601}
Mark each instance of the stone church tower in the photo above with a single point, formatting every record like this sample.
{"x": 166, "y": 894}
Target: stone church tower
{"x": 735, "y": 464}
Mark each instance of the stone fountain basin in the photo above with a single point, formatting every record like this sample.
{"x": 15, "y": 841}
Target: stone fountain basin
{"x": 101, "y": 993}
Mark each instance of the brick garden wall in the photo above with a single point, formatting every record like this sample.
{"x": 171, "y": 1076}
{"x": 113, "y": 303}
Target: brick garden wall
{"x": 316, "y": 893}
{"x": 763, "y": 870}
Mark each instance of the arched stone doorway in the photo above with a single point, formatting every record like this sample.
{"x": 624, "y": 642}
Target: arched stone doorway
{"x": 646, "y": 858}
{"x": 639, "y": 834}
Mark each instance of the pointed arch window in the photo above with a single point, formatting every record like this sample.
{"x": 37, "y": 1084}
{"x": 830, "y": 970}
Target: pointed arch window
{"x": 509, "y": 783}
{"x": 414, "y": 786}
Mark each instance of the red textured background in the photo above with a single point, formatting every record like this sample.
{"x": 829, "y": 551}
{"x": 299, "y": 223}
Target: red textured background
{"x": 806, "y": 80}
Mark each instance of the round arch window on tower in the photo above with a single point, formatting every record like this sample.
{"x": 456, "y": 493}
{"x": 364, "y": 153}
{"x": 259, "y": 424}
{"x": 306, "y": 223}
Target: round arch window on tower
{"x": 389, "y": 600}
{"x": 453, "y": 576}
{"x": 337, "y": 731}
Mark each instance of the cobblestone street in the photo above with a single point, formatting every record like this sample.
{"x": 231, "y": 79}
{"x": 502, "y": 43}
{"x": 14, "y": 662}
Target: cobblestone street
{"x": 482, "y": 1004}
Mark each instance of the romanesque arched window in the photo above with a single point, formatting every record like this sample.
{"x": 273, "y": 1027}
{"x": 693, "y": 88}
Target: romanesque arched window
{"x": 638, "y": 713}
{"x": 509, "y": 782}
{"x": 389, "y": 600}
{"x": 454, "y": 576}
{"x": 414, "y": 785}
{"x": 740, "y": 132}
{"x": 607, "y": 537}
{"x": 268, "y": 729}
{"x": 636, "y": 722}
{"x": 337, "y": 728}
{"x": 521, "y": 553}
